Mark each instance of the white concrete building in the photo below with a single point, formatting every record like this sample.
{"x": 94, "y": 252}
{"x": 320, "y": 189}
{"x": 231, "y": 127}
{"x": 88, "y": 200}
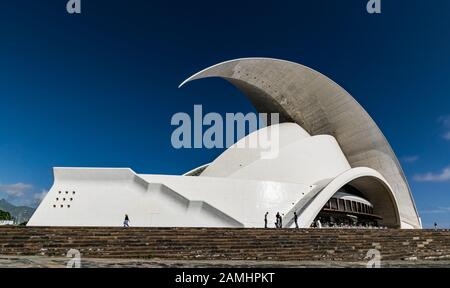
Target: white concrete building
{"x": 333, "y": 165}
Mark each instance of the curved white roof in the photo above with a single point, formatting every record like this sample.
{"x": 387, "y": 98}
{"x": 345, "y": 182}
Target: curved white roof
{"x": 312, "y": 100}
{"x": 322, "y": 145}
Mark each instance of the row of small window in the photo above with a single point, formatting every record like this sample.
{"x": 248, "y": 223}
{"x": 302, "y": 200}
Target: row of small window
{"x": 64, "y": 199}
{"x": 61, "y": 206}
{"x": 348, "y": 206}
{"x": 67, "y": 192}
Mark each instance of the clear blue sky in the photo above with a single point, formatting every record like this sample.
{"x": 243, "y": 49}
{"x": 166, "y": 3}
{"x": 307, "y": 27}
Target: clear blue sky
{"x": 98, "y": 89}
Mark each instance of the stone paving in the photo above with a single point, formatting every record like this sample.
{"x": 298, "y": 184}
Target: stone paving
{"x": 228, "y": 244}
{"x": 61, "y": 262}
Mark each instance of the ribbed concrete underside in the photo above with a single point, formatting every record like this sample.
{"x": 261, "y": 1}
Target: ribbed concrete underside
{"x": 226, "y": 244}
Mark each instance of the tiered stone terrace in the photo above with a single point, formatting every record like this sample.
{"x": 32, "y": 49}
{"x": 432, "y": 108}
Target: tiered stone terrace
{"x": 349, "y": 245}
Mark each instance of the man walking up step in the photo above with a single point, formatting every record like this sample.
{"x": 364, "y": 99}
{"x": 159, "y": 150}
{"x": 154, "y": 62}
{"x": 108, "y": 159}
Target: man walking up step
{"x": 265, "y": 219}
{"x": 295, "y": 219}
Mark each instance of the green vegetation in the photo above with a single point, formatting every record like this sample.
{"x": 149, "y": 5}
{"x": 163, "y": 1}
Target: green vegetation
{"x": 19, "y": 214}
{"x": 5, "y": 215}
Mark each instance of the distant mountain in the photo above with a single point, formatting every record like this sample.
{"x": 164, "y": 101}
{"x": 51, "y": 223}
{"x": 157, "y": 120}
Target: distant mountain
{"x": 19, "y": 213}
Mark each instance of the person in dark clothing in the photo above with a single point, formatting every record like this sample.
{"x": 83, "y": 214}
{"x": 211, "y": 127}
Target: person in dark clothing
{"x": 295, "y": 219}
{"x": 126, "y": 221}
{"x": 265, "y": 219}
{"x": 279, "y": 220}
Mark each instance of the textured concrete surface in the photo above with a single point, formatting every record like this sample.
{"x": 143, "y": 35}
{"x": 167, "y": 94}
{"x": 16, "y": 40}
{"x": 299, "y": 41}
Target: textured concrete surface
{"x": 61, "y": 262}
{"x": 302, "y": 95}
{"x": 227, "y": 244}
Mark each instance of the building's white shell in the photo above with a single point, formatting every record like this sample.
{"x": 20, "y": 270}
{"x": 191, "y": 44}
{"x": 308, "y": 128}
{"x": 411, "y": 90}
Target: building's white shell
{"x": 235, "y": 190}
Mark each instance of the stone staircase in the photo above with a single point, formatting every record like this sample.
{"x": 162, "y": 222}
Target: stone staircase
{"x": 226, "y": 243}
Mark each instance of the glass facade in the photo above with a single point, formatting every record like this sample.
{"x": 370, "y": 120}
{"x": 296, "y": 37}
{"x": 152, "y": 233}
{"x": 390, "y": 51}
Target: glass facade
{"x": 348, "y": 206}
{"x": 342, "y": 211}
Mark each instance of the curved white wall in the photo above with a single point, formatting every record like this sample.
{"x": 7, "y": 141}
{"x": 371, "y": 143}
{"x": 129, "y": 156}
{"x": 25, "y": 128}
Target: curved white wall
{"x": 103, "y": 196}
{"x": 236, "y": 190}
{"x": 240, "y": 154}
{"x": 300, "y": 159}
{"x": 384, "y": 202}
{"x": 312, "y": 160}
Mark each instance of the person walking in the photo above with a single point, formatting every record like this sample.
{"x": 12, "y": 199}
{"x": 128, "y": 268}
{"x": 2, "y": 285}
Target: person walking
{"x": 295, "y": 219}
{"x": 279, "y": 220}
{"x": 265, "y": 219}
{"x": 126, "y": 222}
{"x": 318, "y": 223}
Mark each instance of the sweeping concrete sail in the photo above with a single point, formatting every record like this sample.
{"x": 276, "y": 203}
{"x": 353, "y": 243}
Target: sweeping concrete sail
{"x": 320, "y": 106}
{"x": 333, "y": 168}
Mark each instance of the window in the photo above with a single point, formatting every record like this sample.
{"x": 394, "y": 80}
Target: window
{"x": 348, "y": 205}
{"x": 341, "y": 205}
{"x": 354, "y": 207}
{"x": 333, "y": 202}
